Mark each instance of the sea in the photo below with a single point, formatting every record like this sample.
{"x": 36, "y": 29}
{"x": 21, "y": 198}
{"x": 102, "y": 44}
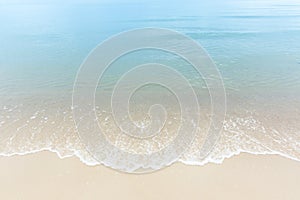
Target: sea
{"x": 254, "y": 45}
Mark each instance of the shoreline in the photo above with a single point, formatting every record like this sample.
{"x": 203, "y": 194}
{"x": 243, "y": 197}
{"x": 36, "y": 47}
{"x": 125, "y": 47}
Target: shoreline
{"x": 94, "y": 163}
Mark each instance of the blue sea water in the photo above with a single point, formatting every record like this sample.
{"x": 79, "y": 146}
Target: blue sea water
{"x": 254, "y": 44}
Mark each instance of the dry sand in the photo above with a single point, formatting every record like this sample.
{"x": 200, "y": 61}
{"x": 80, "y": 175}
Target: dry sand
{"x": 45, "y": 176}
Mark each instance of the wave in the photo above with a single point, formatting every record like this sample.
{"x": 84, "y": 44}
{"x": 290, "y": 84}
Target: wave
{"x": 56, "y": 133}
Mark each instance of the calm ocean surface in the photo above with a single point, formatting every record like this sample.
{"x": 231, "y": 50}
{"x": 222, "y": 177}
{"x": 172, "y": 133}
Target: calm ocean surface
{"x": 255, "y": 45}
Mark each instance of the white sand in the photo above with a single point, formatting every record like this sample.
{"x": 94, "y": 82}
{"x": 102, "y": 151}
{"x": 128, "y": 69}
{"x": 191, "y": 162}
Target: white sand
{"x": 45, "y": 176}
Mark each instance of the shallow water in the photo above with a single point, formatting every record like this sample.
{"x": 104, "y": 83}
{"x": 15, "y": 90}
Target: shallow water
{"x": 256, "y": 47}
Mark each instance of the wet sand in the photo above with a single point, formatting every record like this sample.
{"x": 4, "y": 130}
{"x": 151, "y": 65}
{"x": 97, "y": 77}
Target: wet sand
{"x": 45, "y": 176}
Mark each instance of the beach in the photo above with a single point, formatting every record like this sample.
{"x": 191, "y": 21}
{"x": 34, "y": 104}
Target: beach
{"x": 212, "y": 88}
{"x": 45, "y": 176}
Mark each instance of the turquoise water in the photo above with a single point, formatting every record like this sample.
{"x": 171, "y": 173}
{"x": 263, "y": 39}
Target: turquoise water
{"x": 254, "y": 44}
{"x": 251, "y": 43}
